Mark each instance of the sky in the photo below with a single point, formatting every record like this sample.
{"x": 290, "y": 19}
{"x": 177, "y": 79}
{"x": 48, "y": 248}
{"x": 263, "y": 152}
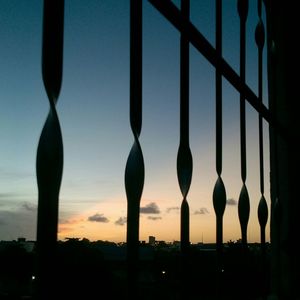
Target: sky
{"x": 93, "y": 109}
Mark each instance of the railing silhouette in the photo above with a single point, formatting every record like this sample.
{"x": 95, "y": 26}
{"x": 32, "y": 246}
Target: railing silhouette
{"x": 50, "y": 150}
{"x": 49, "y": 162}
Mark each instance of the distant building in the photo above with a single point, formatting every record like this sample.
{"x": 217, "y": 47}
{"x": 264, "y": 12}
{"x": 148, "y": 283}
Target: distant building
{"x": 20, "y": 242}
{"x": 176, "y": 244}
{"x": 152, "y": 240}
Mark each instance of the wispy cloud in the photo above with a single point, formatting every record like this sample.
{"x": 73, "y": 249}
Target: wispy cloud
{"x": 70, "y": 221}
{"x": 201, "y": 211}
{"x": 150, "y": 208}
{"x": 231, "y": 201}
{"x": 63, "y": 221}
{"x": 154, "y": 218}
{"x": 173, "y": 208}
{"x": 7, "y": 195}
{"x": 14, "y": 174}
{"x": 28, "y": 206}
{"x": 9, "y": 200}
{"x": 64, "y": 229}
{"x": 98, "y": 218}
{"x": 121, "y": 221}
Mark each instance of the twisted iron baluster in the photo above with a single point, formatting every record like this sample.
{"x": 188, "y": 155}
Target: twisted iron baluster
{"x": 134, "y": 172}
{"x": 184, "y": 156}
{"x": 262, "y": 208}
{"x": 243, "y": 204}
{"x": 49, "y": 162}
{"x": 262, "y": 211}
{"x": 219, "y": 193}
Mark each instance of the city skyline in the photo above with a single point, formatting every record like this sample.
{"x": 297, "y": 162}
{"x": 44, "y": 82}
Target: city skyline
{"x": 93, "y": 109}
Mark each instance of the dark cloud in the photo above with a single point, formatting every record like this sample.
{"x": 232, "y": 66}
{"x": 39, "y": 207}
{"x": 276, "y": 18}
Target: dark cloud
{"x": 16, "y": 223}
{"x": 173, "y": 208}
{"x": 231, "y": 201}
{"x": 28, "y": 206}
{"x": 150, "y": 208}
{"x": 9, "y": 217}
{"x": 121, "y": 221}
{"x": 201, "y": 211}
{"x": 154, "y": 218}
{"x": 98, "y": 218}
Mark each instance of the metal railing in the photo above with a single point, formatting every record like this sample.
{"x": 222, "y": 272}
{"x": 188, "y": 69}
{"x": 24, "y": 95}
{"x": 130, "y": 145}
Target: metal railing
{"x": 50, "y": 150}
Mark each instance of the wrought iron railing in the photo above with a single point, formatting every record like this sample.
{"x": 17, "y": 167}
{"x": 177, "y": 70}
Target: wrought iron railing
{"x": 50, "y": 150}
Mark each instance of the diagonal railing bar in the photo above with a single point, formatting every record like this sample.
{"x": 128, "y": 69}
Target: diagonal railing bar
{"x": 184, "y": 155}
{"x": 262, "y": 210}
{"x": 173, "y": 14}
{"x": 243, "y": 204}
{"x": 134, "y": 171}
{"x": 49, "y": 161}
{"x": 219, "y": 193}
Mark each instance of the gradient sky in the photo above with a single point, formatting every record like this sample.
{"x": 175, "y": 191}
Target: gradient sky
{"x": 93, "y": 108}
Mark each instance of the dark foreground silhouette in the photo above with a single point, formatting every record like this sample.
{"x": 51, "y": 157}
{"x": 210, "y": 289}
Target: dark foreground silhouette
{"x": 97, "y": 270}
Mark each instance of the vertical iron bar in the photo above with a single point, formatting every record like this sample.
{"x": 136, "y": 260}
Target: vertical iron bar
{"x": 260, "y": 39}
{"x": 243, "y": 10}
{"x": 243, "y": 204}
{"x": 262, "y": 211}
{"x": 219, "y": 89}
{"x": 219, "y": 193}
{"x": 134, "y": 171}
{"x": 49, "y": 161}
{"x": 219, "y": 115}
{"x": 275, "y": 210}
{"x": 184, "y": 156}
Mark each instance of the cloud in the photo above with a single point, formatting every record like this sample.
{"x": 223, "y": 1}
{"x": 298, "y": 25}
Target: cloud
{"x": 121, "y": 221}
{"x": 169, "y": 209}
{"x": 29, "y": 206}
{"x": 154, "y": 218}
{"x": 70, "y": 221}
{"x": 9, "y": 217}
{"x": 9, "y": 200}
{"x": 150, "y": 208}
{"x": 6, "y": 174}
{"x": 98, "y": 218}
{"x": 63, "y": 221}
{"x": 231, "y": 201}
{"x": 16, "y": 223}
{"x": 201, "y": 211}
{"x": 7, "y": 195}
{"x": 63, "y": 229}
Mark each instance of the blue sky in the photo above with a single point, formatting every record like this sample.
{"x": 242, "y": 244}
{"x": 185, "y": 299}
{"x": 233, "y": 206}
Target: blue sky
{"x": 93, "y": 108}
